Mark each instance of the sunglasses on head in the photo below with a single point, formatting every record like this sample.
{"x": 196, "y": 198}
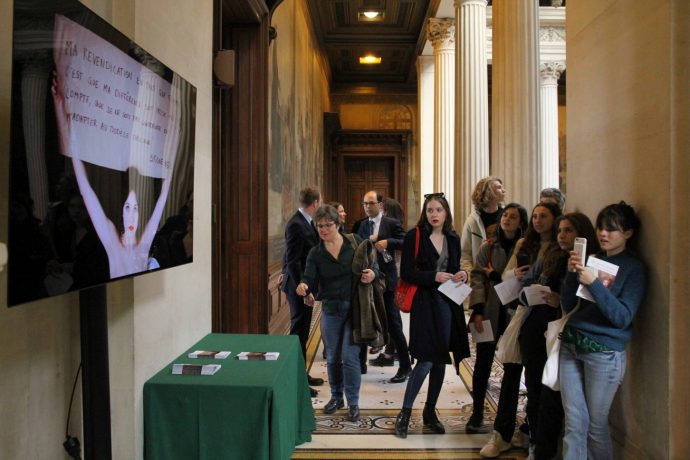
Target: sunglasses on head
{"x": 434, "y": 195}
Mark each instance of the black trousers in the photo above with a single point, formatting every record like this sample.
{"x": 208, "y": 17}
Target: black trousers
{"x": 395, "y": 329}
{"x": 300, "y": 319}
{"x": 544, "y": 408}
{"x": 480, "y": 376}
{"x": 508, "y": 401}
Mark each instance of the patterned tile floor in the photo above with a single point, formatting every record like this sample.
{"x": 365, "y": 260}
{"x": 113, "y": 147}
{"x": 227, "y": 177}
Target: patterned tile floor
{"x": 380, "y": 401}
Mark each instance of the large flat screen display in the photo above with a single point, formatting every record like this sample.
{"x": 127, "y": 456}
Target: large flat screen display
{"x": 101, "y": 155}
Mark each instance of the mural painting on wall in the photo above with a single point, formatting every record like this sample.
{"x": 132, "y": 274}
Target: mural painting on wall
{"x": 294, "y": 138}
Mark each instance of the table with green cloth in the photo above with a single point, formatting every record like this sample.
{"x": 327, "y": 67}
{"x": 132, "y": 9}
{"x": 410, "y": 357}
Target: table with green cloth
{"x": 246, "y": 410}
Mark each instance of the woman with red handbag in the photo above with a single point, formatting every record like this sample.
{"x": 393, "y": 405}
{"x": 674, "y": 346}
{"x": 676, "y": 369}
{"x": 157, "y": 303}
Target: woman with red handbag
{"x": 437, "y": 324}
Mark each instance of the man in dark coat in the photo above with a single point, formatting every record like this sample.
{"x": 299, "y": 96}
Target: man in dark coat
{"x": 387, "y": 235}
{"x": 300, "y": 237}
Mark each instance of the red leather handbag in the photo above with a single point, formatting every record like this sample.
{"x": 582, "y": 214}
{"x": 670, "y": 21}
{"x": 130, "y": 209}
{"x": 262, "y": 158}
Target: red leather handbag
{"x": 404, "y": 291}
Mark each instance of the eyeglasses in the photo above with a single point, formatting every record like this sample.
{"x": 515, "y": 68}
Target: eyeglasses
{"x": 434, "y": 195}
{"x": 322, "y": 226}
{"x": 370, "y": 203}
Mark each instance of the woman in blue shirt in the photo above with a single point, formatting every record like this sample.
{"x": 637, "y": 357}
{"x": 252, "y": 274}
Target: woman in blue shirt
{"x": 592, "y": 357}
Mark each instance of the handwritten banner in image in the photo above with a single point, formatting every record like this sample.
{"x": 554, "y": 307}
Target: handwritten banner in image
{"x": 121, "y": 113}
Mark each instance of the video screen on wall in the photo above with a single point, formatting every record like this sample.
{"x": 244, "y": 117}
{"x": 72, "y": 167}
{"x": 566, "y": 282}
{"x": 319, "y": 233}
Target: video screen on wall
{"x": 101, "y": 155}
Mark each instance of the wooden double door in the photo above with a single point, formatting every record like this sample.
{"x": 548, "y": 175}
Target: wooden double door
{"x": 368, "y": 160}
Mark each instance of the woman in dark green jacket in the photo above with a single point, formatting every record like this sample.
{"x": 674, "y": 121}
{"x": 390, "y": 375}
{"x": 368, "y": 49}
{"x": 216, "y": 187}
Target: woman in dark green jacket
{"x": 329, "y": 266}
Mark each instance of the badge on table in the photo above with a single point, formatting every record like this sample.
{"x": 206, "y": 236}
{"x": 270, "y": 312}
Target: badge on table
{"x": 258, "y": 355}
{"x": 195, "y": 369}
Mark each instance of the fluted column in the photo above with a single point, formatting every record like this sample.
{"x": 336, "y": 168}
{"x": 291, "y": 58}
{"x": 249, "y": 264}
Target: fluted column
{"x": 472, "y": 103}
{"x": 425, "y": 91}
{"x": 442, "y": 36}
{"x": 550, "y": 72}
{"x": 515, "y": 99}
{"x": 34, "y": 83}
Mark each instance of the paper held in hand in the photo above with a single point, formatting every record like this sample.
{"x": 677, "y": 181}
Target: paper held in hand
{"x": 209, "y": 354}
{"x": 508, "y": 290}
{"x": 605, "y": 271}
{"x": 195, "y": 369}
{"x": 258, "y": 355}
{"x": 487, "y": 335}
{"x": 535, "y": 294}
{"x": 457, "y": 292}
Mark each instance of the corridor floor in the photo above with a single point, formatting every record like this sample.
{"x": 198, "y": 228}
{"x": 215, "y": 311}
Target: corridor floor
{"x": 372, "y": 437}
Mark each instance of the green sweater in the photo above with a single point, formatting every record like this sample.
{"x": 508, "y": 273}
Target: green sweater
{"x": 332, "y": 276}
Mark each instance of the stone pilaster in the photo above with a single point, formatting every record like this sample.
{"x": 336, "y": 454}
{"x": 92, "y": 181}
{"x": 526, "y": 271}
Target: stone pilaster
{"x": 441, "y": 33}
{"x": 425, "y": 92}
{"x": 34, "y": 84}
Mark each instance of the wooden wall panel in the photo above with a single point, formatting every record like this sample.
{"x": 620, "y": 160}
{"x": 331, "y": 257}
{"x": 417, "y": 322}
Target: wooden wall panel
{"x": 240, "y": 294}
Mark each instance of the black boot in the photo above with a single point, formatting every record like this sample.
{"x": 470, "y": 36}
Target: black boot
{"x": 431, "y": 420}
{"x": 402, "y": 422}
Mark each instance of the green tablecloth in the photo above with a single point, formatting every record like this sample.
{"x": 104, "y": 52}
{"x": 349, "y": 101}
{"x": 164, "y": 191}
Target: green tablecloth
{"x": 247, "y": 410}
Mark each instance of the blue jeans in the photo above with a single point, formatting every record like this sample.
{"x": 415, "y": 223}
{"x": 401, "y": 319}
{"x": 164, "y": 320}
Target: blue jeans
{"x": 436, "y": 372}
{"x": 342, "y": 354}
{"x": 589, "y": 382}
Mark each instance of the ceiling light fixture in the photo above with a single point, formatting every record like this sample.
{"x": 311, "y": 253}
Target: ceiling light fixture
{"x": 370, "y": 59}
{"x": 370, "y": 15}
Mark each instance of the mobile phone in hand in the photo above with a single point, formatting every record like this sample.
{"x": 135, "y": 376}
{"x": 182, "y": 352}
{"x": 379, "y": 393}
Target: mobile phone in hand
{"x": 522, "y": 260}
{"x": 581, "y": 248}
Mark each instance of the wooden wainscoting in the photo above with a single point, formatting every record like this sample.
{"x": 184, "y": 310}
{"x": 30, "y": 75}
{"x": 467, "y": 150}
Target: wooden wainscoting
{"x": 278, "y": 308}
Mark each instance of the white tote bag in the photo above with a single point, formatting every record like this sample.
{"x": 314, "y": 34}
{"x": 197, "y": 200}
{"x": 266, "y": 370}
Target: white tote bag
{"x": 508, "y": 348}
{"x": 553, "y": 347}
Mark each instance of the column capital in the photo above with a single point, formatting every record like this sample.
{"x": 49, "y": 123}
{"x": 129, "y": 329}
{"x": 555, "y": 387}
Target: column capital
{"x": 441, "y": 33}
{"x": 551, "y": 71}
{"x": 459, "y": 3}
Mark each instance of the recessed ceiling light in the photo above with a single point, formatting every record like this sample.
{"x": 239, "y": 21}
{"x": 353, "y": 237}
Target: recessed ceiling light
{"x": 370, "y": 15}
{"x": 370, "y": 59}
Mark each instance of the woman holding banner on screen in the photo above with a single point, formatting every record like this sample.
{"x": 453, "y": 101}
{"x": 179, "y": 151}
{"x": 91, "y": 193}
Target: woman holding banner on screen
{"x": 128, "y": 251}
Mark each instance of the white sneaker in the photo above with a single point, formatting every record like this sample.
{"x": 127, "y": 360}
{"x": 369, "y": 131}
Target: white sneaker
{"x": 495, "y": 446}
{"x": 520, "y": 440}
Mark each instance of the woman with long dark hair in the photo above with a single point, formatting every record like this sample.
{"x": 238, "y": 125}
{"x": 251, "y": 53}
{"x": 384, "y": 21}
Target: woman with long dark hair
{"x": 540, "y": 236}
{"x": 544, "y": 409}
{"x": 437, "y": 324}
{"x": 491, "y": 260}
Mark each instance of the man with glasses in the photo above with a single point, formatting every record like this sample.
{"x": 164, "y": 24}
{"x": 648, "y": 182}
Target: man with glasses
{"x": 300, "y": 237}
{"x": 387, "y": 235}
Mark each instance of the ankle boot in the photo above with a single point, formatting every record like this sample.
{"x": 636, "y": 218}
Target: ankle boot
{"x": 402, "y": 422}
{"x": 431, "y": 420}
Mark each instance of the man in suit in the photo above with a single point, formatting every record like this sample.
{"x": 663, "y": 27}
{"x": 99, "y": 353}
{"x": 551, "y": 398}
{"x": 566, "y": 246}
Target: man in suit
{"x": 300, "y": 237}
{"x": 387, "y": 235}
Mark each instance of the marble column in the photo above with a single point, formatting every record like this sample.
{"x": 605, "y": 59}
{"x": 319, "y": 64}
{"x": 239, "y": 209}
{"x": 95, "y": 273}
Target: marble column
{"x": 34, "y": 84}
{"x": 472, "y": 103}
{"x": 550, "y": 72}
{"x": 425, "y": 92}
{"x": 441, "y": 33}
{"x": 515, "y": 149}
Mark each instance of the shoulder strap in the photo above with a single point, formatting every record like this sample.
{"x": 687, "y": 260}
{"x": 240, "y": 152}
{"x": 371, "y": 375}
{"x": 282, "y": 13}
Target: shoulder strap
{"x": 352, "y": 239}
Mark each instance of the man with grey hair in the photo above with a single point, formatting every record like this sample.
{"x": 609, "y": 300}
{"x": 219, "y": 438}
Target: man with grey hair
{"x": 553, "y": 195}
